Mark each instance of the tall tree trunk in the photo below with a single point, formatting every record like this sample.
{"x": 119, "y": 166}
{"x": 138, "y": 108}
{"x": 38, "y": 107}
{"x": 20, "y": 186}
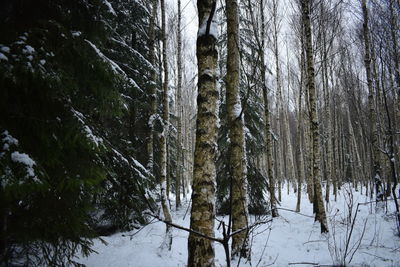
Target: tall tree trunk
{"x": 164, "y": 135}
{"x": 306, "y": 128}
{"x": 290, "y": 156}
{"x": 327, "y": 113}
{"x": 201, "y": 250}
{"x": 329, "y": 153}
{"x": 320, "y": 214}
{"x": 391, "y": 153}
{"x": 334, "y": 141}
{"x": 237, "y": 157}
{"x": 289, "y": 151}
{"x": 268, "y": 130}
{"x": 396, "y": 58}
{"x": 359, "y": 170}
{"x": 371, "y": 103}
{"x": 180, "y": 165}
{"x": 300, "y": 161}
{"x": 279, "y": 148}
{"x": 153, "y": 87}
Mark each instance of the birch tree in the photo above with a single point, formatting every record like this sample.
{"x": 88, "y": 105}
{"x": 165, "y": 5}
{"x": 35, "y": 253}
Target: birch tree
{"x": 237, "y": 150}
{"x": 179, "y": 174}
{"x": 153, "y": 87}
{"x": 376, "y": 171}
{"x": 319, "y": 208}
{"x": 201, "y": 250}
{"x": 164, "y": 134}
{"x": 268, "y": 128}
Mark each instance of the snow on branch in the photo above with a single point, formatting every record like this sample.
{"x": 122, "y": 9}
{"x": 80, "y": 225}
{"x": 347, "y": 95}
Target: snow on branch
{"x": 113, "y": 65}
{"x": 139, "y": 55}
{"x": 98, "y": 141}
{"x": 17, "y": 157}
{"x": 110, "y": 8}
{"x": 24, "y": 159}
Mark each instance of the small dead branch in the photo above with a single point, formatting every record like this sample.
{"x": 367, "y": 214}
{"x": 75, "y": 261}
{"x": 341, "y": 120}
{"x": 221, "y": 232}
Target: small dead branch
{"x": 303, "y": 263}
{"x": 225, "y": 232}
{"x": 140, "y": 229}
{"x": 302, "y": 214}
{"x": 265, "y": 246}
{"x": 312, "y": 241}
{"x": 376, "y": 256}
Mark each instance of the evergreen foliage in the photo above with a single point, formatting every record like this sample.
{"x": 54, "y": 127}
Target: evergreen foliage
{"x": 73, "y": 81}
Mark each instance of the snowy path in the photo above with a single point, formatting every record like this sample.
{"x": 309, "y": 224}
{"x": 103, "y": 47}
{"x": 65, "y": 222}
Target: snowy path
{"x": 291, "y": 238}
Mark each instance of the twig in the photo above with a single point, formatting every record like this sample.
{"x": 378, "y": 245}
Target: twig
{"x": 223, "y": 241}
{"x": 379, "y": 257}
{"x": 261, "y": 232}
{"x": 219, "y": 240}
{"x": 250, "y": 227}
{"x": 298, "y": 263}
{"x": 313, "y": 241}
{"x": 272, "y": 263}
{"x": 265, "y": 246}
{"x": 131, "y": 235}
{"x": 295, "y": 212}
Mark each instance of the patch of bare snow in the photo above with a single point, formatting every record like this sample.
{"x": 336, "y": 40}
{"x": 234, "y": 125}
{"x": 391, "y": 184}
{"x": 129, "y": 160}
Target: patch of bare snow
{"x": 290, "y": 238}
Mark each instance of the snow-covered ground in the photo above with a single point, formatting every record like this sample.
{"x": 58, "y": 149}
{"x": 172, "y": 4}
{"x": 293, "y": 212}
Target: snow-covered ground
{"x": 291, "y": 238}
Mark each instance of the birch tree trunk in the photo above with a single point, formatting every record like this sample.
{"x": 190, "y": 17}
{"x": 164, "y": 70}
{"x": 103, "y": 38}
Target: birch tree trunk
{"x": 201, "y": 250}
{"x": 371, "y": 103}
{"x": 268, "y": 130}
{"x": 334, "y": 139}
{"x": 300, "y": 161}
{"x": 306, "y": 128}
{"x": 164, "y": 135}
{"x": 291, "y": 172}
{"x": 153, "y": 88}
{"x": 320, "y": 214}
{"x": 391, "y": 157}
{"x": 396, "y": 58}
{"x": 237, "y": 157}
{"x": 327, "y": 113}
{"x": 180, "y": 165}
{"x": 359, "y": 170}
{"x": 289, "y": 151}
{"x": 279, "y": 148}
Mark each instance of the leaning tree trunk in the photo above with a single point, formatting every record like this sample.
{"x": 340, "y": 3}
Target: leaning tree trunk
{"x": 237, "y": 157}
{"x": 201, "y": 250}
{"x": 320, "y": 214}
{"x": 164, "y": 135}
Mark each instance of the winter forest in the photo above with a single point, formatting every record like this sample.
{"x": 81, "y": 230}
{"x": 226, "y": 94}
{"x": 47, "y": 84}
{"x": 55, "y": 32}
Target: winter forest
{"x": 199, "y": 133}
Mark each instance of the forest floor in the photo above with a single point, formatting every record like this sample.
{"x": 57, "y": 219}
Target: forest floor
{"x": 291, "y": 239}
